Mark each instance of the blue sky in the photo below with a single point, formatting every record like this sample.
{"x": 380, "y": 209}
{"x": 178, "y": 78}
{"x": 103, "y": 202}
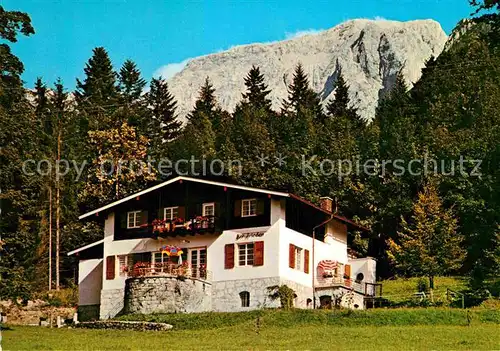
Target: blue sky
{"x": 161, "y": 34}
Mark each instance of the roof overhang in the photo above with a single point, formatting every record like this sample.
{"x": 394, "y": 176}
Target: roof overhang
{"x": 85, "y": 247}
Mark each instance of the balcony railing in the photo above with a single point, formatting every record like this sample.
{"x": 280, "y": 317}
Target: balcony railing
{"x": 148, "y": 269}
{"x": 336, "y": 281}
{"x": 198, "y": 224}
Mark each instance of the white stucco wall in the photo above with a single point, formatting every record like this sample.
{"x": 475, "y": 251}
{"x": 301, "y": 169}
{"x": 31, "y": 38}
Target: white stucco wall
{"x": 368, "y": 267}
{"x": 89, "y": 281}
{"x": 215, "y": 259}
{"x": 332, "y": 250}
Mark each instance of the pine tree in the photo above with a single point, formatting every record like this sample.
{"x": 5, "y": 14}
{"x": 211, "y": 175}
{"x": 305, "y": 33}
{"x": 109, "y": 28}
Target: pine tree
{"x": 428, "y": 245}
{"x": 206, "y": 102}
{"x": 97, "y": 96}
{"x": 339, "y": 106}
{"x": 257, "y": 90}
{"x": 301, "y": 96}
{"x": 163, "y": 123}
{"x": 131, "y": 83}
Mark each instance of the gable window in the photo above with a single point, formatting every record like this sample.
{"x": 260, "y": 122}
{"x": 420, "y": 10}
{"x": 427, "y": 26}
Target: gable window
{"x": 133, "y": 219}
{"x": 208, "y": 209}
{"x": 245, "y": 299}
{"x": 248, "y": 207}
{"x": 245, "y": 254}
{"x": 171, "y": 213}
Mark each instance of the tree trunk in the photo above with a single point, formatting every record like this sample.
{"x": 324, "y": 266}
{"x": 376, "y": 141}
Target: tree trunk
{"x": 58, "y": 210}
{"x": 431, "y": 287}
{"x": 50, "y": 237}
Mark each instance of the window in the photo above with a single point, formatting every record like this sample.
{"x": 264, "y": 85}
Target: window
{"x": 245, "y": 254}
{"x": 134, "y": 219}
{"x": 298, "y": 258}
{"x": 123, "y": 264}
{"x": 248, "y": 207}
{"x": 208, "y": 209}
{"x": 359, "y": 277}
{"x": 171, "y": 213}
{"x": 245, "y": 299}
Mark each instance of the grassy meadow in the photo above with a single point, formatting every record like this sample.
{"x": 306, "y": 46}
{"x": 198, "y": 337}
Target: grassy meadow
{"x": 381, "y": 329}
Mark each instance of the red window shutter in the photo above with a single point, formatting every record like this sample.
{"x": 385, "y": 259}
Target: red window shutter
{"x": 306, "y": 261}
{"x": 258, "y": 253}
{"x": 110, "y": 267}
{"x": 347, "y": 271}
{"x": 229, "y": 256}
{"x": 291, "y": 256}
{"x": 237, "y": 208}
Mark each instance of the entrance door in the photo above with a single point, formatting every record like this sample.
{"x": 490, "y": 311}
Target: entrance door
{"x": 198, "y": 261}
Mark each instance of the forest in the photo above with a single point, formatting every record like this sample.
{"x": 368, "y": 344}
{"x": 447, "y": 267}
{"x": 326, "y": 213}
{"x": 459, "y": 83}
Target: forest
{"x": 424, "y": 224}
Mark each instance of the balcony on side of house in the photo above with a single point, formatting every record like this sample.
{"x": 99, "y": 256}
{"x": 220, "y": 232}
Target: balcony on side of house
{"x": 148, "y": 269}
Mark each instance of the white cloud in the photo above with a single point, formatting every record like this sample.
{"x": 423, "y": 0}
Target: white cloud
{"x": 301, "y": 33}
{"x": 169, "y": 70}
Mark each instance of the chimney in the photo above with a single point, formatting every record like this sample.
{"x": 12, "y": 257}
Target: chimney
{"x": 326, "y": 203}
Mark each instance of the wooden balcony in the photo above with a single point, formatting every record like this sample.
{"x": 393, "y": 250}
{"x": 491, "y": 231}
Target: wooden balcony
{"x": 179, "y": 226}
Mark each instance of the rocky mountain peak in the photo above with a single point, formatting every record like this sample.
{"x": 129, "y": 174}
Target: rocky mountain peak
{"x": 369, "y": 52}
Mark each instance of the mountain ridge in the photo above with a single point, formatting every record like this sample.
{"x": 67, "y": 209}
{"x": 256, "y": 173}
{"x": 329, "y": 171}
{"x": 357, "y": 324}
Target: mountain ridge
{"x": 369, "y": 52}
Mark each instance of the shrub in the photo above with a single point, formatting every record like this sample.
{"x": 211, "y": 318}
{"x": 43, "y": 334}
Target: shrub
{"x": 422, "y": 284}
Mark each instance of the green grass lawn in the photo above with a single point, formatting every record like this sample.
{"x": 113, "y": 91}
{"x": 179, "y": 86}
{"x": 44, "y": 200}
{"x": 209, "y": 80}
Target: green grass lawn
{"x": 384, "y": 329}
{"x": 308, "y": 337}
{"x": 402, "y": 289}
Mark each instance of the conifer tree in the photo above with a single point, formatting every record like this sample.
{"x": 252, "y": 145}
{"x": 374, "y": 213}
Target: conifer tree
{"x": 163, "y": 123}
{"x": 339, "y": 106}
{"x": 257, "y": 90}
{"x": 428, "y": 244}
{"x": 301, "y": 96}
{"x": 206, "y": 102}
{"x": 97, "y": 96}
{"x": 131, "y": 83}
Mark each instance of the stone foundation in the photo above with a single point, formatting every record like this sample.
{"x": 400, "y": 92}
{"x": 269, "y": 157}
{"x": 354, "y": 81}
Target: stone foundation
{"x": 167, "y": 295}
{"x": 303, "y": 294}
{"x": 112, "y": 302}
{"x": 226, "y": 294}
{"x": 348, "y": 298}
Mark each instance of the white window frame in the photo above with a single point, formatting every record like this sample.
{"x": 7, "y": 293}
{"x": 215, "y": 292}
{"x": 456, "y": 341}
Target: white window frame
{"x": 246, "y": 259}
{"x": 136, "y": 219}
{"x": 249, "y": 201}
{"x": 171, "y": 209}
{"x": 298, "y": 252}
{"x": 207, "y": 205}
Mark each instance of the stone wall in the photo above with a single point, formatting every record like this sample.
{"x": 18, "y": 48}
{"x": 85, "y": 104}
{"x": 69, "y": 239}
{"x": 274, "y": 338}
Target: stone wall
{"x": 88, "y": 312}
{"x": 111, "y": 303}
{"x": 303, "y": 293}
{"x": 167, "y": 295}
{"x": 348, "y": 298}
{"x": 226, "y": 294}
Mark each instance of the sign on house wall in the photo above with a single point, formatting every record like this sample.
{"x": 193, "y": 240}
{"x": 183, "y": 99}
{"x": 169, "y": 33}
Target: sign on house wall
{"x": 249, "y": 235}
